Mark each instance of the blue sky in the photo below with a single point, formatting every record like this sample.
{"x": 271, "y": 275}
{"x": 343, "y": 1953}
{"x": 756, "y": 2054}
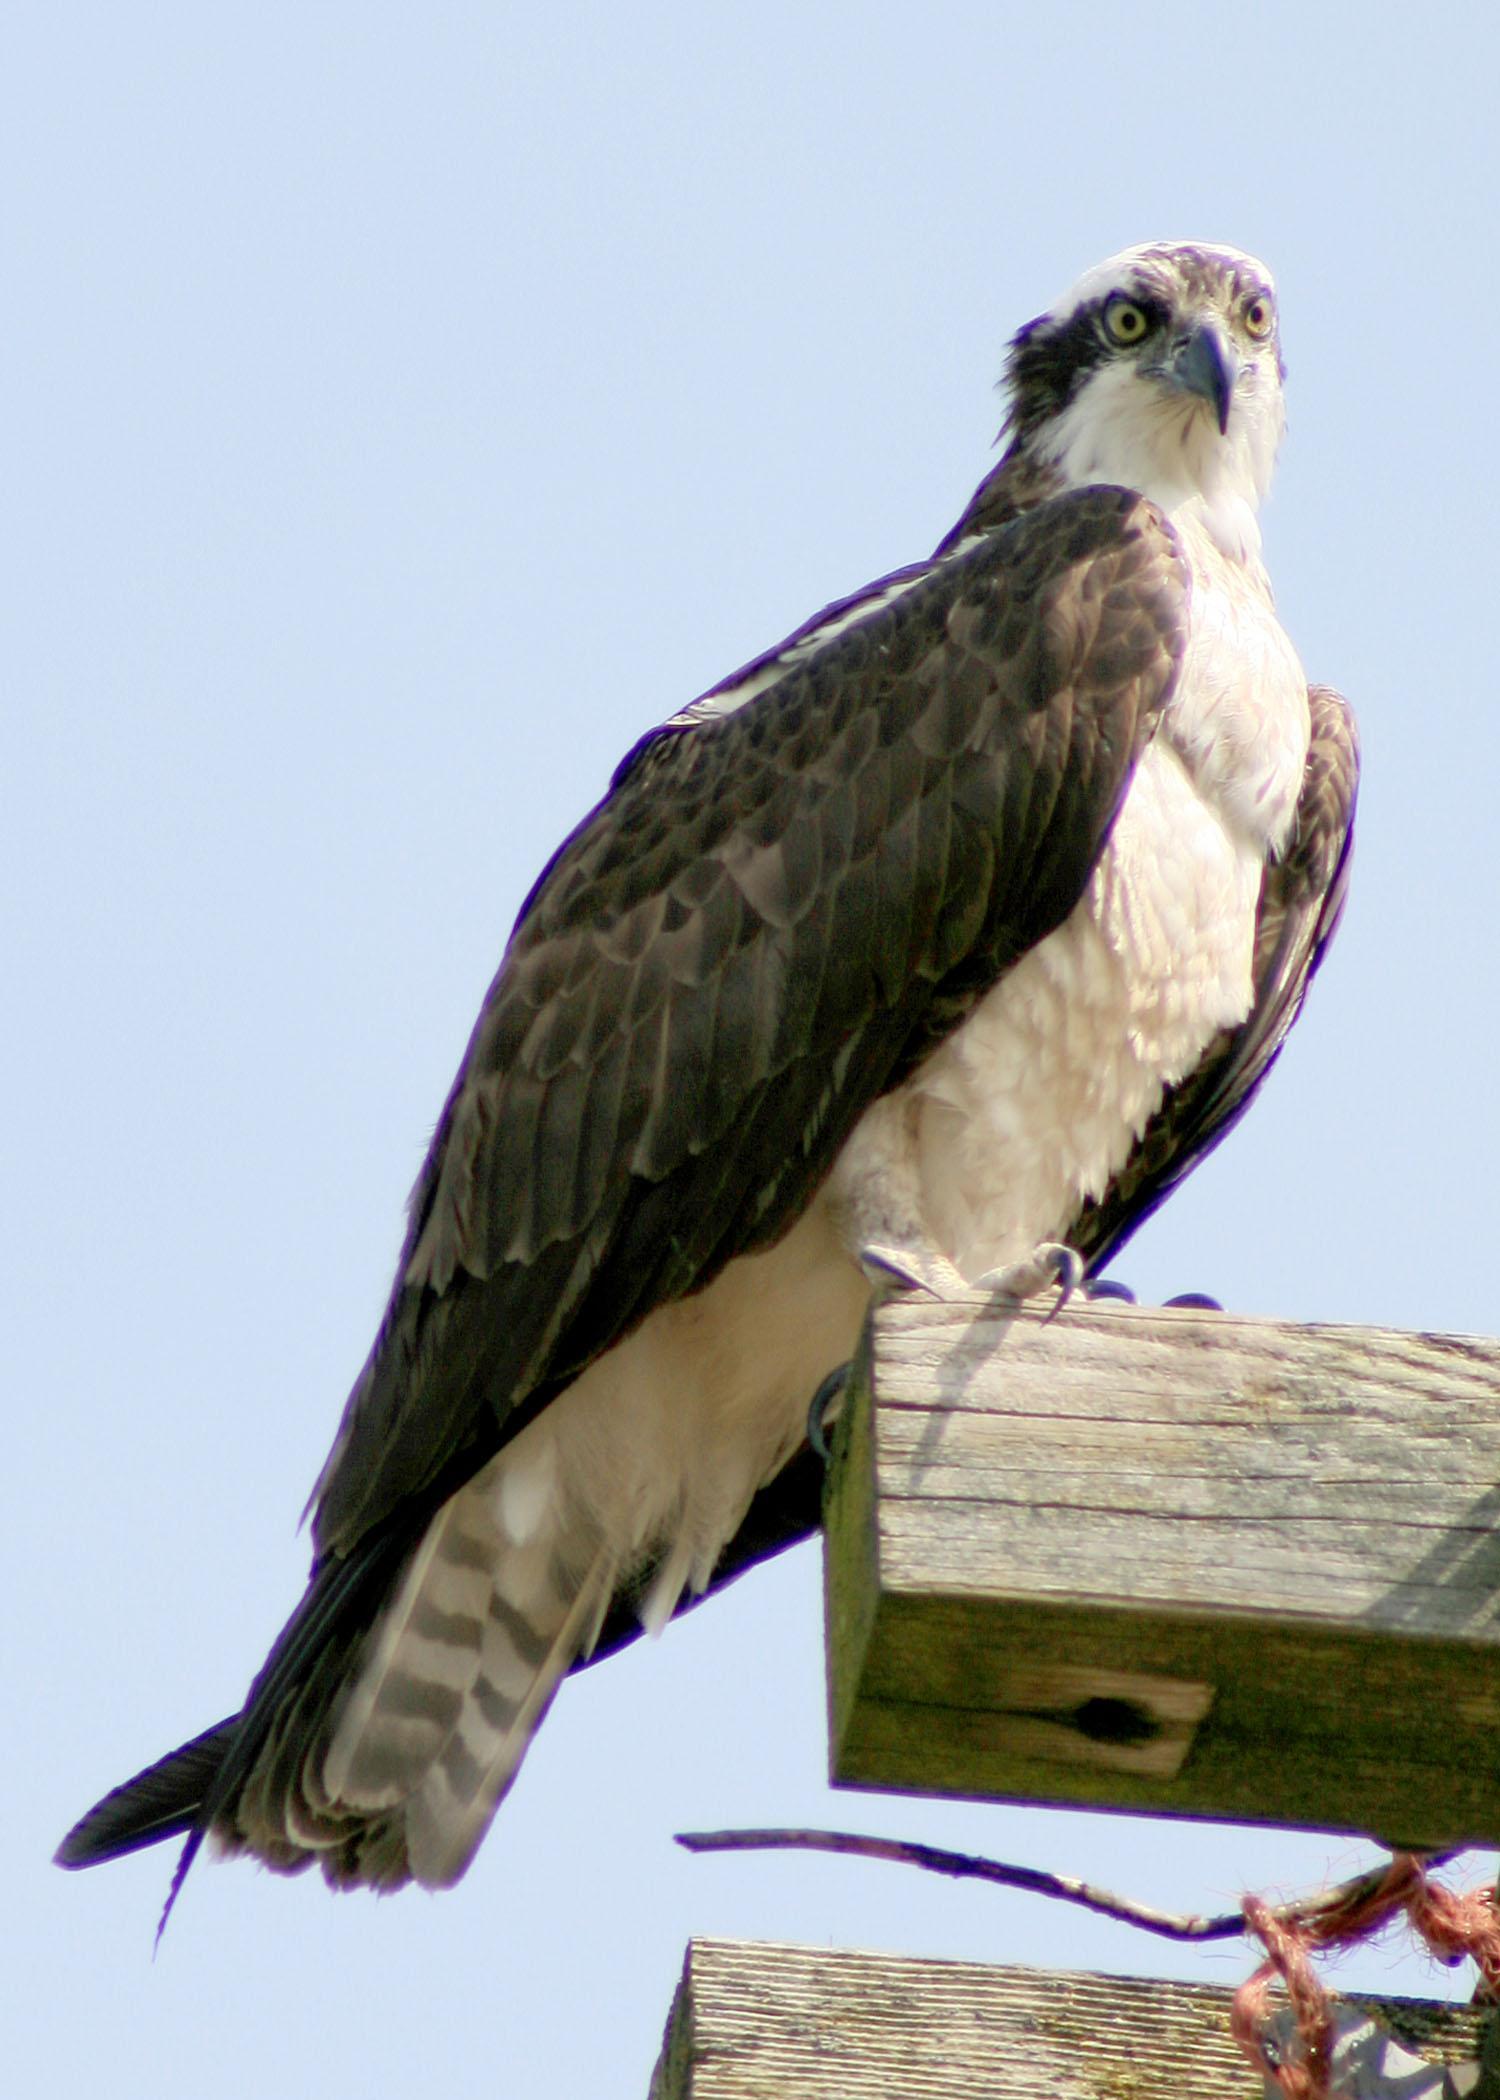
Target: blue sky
{"x": 405, "y": 409}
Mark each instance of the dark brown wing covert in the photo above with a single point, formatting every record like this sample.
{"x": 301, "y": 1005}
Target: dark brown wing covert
{"x": 761, "y": 928}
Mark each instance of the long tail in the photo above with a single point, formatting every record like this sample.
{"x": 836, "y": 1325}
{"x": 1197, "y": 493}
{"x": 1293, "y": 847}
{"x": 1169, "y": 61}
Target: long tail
{"x": 162, "y": 1802}
{"x": 395, "y": 1708}
{"x": 494, "y": 1610}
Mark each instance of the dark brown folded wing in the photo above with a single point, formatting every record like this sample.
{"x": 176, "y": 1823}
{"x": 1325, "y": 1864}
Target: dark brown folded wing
{"x": 766, "y": 922}
{"x": 770, "y": 918}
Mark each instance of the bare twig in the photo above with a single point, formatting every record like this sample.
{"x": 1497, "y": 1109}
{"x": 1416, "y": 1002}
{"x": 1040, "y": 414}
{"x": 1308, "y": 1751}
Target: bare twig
{"x": 1065, "y": 1888}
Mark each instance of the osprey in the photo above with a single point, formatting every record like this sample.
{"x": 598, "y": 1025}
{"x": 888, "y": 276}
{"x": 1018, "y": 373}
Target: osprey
{"x": 936, "y": 944}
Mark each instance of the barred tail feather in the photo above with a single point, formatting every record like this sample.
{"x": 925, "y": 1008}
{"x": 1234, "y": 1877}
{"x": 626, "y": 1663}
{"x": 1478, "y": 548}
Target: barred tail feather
{"x": 500, "y": 1599}
{"x": 447, "y": 1817}
{"x": 408, "y": 1693}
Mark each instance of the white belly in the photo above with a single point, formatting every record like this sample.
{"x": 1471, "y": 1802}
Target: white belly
{"x": 1034, "y": 1103}
{"x": 663, "y": 1441}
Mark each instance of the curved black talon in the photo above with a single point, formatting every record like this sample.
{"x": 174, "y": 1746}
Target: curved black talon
{"x": 1067, "y": 1274}
{"x": 1194, "y": 1301}
{"x": 830, "y": 1389}
{"x": 1106, "y": 1287}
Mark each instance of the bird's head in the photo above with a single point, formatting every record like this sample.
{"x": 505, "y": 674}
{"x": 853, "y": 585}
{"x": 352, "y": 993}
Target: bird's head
{"x": 1160, "y": 371}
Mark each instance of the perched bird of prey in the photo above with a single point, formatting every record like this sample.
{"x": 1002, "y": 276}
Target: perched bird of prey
{"x": 933, "y": 947}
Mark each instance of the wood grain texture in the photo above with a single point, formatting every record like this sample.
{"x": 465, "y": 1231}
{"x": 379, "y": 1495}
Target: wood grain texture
{"x": 767, "y": 2023}
{"x": 1172, "y": 1560}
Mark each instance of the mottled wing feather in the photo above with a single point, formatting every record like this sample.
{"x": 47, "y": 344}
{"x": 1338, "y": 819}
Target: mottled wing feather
{"x": 1302, "y": 900}
{"x": 769, "y": 920}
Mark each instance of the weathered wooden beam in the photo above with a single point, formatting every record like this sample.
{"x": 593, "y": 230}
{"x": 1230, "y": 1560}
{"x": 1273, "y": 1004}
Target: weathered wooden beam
{"x": 1171, "y": 1561}
{"x": 801, "y": 2023}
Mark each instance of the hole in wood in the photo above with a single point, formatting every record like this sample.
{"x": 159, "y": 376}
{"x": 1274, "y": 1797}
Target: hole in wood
{"x": 1118, "y": 1721}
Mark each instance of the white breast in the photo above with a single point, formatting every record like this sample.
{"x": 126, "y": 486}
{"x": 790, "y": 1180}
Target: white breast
{"x": 1239, "y": 716}
{"x": 1035, "y": 1102}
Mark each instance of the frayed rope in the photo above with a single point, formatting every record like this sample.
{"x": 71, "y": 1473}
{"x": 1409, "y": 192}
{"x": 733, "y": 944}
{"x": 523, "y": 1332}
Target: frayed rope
{"x": 1453, "y": 1924}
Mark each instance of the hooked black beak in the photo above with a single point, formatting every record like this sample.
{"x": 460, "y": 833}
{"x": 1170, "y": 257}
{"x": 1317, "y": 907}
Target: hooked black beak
{"x": 1201, "y": 363}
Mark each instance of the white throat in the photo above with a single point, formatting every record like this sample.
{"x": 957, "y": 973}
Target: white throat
{"x": 1123, "y": 429}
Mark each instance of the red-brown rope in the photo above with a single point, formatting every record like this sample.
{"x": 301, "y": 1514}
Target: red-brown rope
{"x": 1453, "y": 1924}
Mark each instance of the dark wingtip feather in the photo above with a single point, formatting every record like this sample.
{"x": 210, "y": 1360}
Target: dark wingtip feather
{"x": 161, "y": 1802}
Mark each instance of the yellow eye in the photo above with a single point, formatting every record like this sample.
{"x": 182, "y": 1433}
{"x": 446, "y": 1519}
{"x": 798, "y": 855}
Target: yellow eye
{"x": 1125, "y": 322}
{"x": 1259, "y": 316}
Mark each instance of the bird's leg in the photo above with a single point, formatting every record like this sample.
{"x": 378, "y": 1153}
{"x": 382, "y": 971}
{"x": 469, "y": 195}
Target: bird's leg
{"x": 880, "y": 1207}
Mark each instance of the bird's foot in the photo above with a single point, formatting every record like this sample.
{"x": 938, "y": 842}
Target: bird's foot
{"x": 827, "y": 1405}
{"x": 1050, "y": 1266}
{"x": 1194, "y": 1301}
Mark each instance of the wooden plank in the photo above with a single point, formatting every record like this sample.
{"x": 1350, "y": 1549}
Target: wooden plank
{"x": 1173, "y": 1561}
{"x": 802, "y": 2023}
